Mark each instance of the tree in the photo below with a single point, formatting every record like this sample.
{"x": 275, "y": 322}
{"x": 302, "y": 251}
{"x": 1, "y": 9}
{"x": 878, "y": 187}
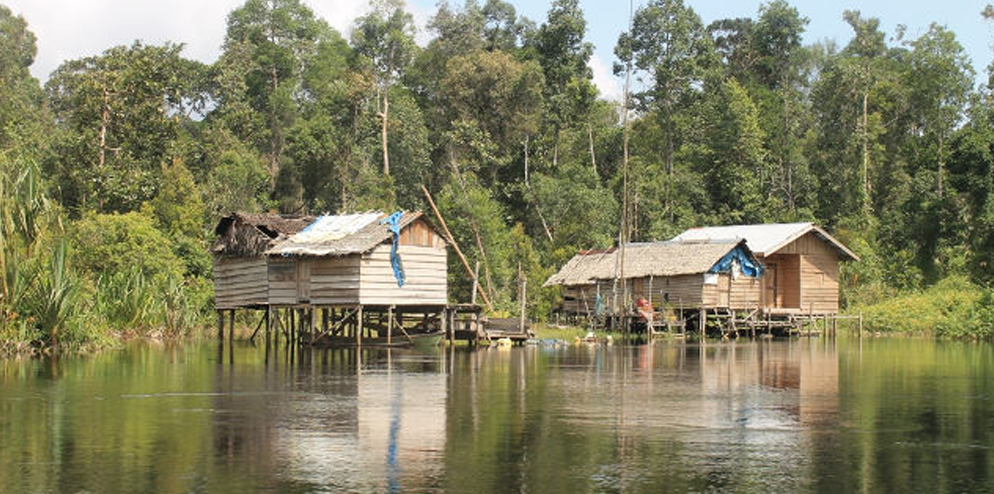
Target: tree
{"x": 673, "y": 57}
{"x": 939, "y": 78}
{"x": 776, "y": 41}
{"x": 267, "y": 48}
{"x": 118, "y": 116}
{"x": 737, "y": 158}
{"x": 23, "y": 122}
{"x": 564, "y": 55}
{"x": 857, "y": 91}
{"x": 500, "y": 96}
{"x": 385, "y": 38}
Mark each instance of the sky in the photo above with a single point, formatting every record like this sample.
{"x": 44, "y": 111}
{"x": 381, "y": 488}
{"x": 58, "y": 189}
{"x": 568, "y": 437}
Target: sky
{"x": 70, "y": 29}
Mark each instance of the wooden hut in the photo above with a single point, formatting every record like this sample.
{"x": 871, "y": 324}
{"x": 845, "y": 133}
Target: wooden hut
{"x": 241, "y": 266}
{"x": 352, "y": 262}
{"x": 801, "y": 262}
{"x": 720, "y": 274}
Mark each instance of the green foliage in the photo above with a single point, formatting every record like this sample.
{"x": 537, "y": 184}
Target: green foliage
{"x": 579, "y": 212}
{"x": 116, "y": 115}
{"x": 953, "y": 308}
{"x": 563, "y": 55}
{"x": 111, "y": 244}
{"x": 24, "y": 125}
{"x": 883, "y": 141}
{"x": 52, "y": 298}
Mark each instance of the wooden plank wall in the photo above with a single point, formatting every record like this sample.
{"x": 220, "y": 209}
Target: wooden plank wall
{"x": 335, "y": 280}
{"x": 425, "y": 269}
{"x": 421, "y": 234}
{"x": 239, "y": 282}
{"x": 746, "y": 293}
{"x": 579, "y": 299}
{"x": 788, "y": 282}
{"x": 282, "y": 281}
{"x": 818, "y": 271}
{"x": 687, "y": 290}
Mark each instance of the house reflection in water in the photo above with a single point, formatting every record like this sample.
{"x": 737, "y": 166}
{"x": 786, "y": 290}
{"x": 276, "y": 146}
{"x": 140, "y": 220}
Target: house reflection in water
{"x": 368, "y": 427}
{"x": 772, "y": 386}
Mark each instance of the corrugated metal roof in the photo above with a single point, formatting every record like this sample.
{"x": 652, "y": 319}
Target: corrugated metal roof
{"x": 642, "y": 260}
{"x": 339, "y": 235}
{"x": 765, "y": 239}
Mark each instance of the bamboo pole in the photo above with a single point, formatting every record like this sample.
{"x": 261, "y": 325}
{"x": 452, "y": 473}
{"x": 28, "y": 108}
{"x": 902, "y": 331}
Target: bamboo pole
{"x": 524, "y": 300}
{"x": 455, "y": 246}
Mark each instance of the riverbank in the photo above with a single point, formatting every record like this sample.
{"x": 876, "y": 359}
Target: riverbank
{"x": 954, "y": 308}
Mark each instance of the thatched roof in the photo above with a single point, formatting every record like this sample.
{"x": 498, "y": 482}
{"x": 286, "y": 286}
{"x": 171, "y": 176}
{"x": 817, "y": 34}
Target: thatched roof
{"x": 340, "y": 235}
{"x": 577, "y": 270}
{"x": 766, "y": 239}
{"x": 643, "y": 260}
{"x": 251, "y": 234}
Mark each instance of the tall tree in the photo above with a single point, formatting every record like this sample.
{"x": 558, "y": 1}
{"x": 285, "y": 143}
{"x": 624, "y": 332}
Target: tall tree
{"x": 268, "y": 46}
{"x": 22, "y": 118}
{"x": 564, "y": 55}
{"x": 674, "y": 57}
{"x": 119, "y": 114}
{"x": 939, "y": 77}
{"x": 735, "y": 158}
{"x": 776, "y": 41}
{"x": 385, "y": 37}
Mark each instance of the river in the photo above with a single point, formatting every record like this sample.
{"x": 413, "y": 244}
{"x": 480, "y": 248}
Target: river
{"x": 808, "y": 415}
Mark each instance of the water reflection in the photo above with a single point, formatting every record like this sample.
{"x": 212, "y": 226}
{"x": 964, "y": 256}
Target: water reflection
{"x": 807, "y": 415}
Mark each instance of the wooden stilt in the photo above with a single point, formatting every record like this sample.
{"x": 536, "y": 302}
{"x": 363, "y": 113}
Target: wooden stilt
{"x": 358, "y": 333}
{"x": 269, "y": 323}
{"x": 445, "y": 325}
{"x": 702, "y": 321}
{"x": 389, "y": 325}
{"x": 220, "y": 326}
{"x": 523, "y": 296}
{"x": 231, "y": 327}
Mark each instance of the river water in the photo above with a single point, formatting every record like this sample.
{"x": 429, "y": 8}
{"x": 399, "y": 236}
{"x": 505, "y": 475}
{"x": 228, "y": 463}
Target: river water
{"x": 809, "y": 415}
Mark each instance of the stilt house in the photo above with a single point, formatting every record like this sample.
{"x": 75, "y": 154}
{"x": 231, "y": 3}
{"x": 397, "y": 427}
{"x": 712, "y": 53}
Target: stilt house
{"x": 801, "y": 262}
{"x": 718, "y": 274}
{"x": 265, "y": 260}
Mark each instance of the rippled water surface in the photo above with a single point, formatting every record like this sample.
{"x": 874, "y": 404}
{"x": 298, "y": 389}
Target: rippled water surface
{"x": 810, "y": 415}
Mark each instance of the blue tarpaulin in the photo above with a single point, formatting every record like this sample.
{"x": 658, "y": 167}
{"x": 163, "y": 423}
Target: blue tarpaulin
{"x": 393, "y": 222}
{"x": 746, "y": 263}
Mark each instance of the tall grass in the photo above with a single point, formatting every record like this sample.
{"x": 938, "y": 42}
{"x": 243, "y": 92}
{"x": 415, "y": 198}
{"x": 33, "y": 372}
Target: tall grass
{"x": 51, "y": 301}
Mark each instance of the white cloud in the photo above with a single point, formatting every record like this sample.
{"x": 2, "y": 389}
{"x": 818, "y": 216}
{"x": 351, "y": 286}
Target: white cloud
{"x": 605, "y": 80}
{"x": 71, "y": 29}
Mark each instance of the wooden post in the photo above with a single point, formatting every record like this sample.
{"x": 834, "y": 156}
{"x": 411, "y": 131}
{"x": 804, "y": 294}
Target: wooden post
{"x": 860, "y": 324}
{"x": 702, "y": 321}
{"x": 311, "y": 324}
{"x": 446, "y": 330}
{"x": 389, "y": 325}
{"x": 269, "y": 323}
{"x": 231, "y": 327}
{"x": 524, "y": 300}
{"x": 358, "y": 328}
{"x": 476, "y": 284}
{"x": 220, "y": 326}
{"x": 455, "y": 246}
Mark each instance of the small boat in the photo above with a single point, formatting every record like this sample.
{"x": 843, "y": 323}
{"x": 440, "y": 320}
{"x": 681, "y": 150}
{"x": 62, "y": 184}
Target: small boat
{"x": 425, "y": 340}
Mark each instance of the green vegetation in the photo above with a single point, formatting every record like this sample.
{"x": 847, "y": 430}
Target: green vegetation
{"x": 114, "y": 171}
{"x": 952, "y": 308}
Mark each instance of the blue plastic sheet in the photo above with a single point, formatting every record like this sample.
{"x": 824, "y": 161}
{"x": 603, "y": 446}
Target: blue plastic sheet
{"x": 748, "y": 265}
{"x": 393, "y": 223}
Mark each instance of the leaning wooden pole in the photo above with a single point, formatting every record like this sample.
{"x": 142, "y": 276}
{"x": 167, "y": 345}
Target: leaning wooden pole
{"x": 455, "y": 246}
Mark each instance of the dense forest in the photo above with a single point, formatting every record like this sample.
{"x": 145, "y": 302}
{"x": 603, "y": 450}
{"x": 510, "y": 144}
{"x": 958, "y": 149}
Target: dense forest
{"x": 114, "y": 172}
